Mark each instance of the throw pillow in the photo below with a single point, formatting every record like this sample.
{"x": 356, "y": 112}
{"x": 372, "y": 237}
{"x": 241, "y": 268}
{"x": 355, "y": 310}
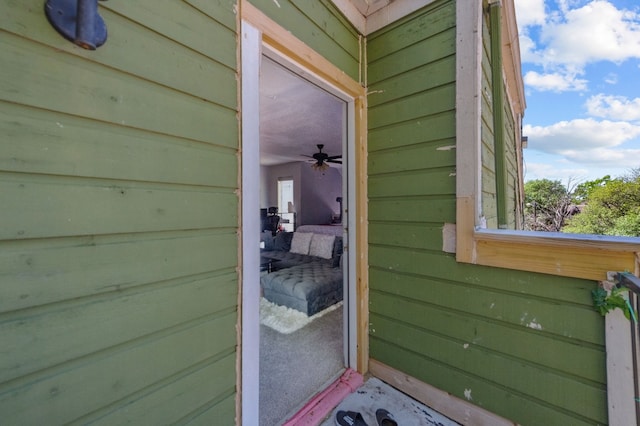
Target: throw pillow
{"x": 282, "y": 241}
{"x": 322, "y": 246}
{"x": 300, "y": 242}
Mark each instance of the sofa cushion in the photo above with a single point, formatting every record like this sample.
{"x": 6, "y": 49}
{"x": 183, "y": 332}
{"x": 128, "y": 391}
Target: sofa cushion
{"x": 301, "y": 242}
{"x": 336, "y": 255}
{"x": 321, "y": 246}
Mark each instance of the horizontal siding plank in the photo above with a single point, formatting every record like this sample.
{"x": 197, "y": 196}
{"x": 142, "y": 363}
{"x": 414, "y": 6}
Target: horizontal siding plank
{"x": 440, "y": 126}
{"x": 44, "y": 142}
{"x": 440, "y": 46}
{"x": 223, "y": 11}
{"x": 327, "y": 18}
{"x": 444, "y": 267}
{"x": 168, "y": 404}
{"x": 489, "y": 395}
{"x": 426, "y": 209}
{"x": 424, "y": 24}
{"x": 105, "y": 380}
{"x": 538, "y": 383}
{"x": 182, "y": 69}
{"x": 37, "y": 76}
{"x": 410, "y": 235}
{"x": 181, "y": 22}
{"x": 425, "y": 182}
{"x": 534, "y": 313}
{"x": 414, "y": 157}
{"x": 431, "y": 75}
{"x": 448, "y": 309}
{"x": 46, "y": 338}
{"x": 289, "y": 16}
{"x": 223, "y": 412}
{"x": 38, "y": 208}
{"x": 78, "y": 267}
{"x": 434, "y": 101}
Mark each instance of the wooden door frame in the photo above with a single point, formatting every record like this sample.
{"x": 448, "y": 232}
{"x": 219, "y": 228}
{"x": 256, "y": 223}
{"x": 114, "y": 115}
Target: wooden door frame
{"x": 259, "y": 32}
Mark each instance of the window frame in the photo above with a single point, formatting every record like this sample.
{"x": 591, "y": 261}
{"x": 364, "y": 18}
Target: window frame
{"x": 568, "y": 255}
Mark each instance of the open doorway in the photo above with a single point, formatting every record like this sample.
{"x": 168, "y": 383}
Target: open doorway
{"x": 303, "y": 62}
{"x": 303, "y": 284}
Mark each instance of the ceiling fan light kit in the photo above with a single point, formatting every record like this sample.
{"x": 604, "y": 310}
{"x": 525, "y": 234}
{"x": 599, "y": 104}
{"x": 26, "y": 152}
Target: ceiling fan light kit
{"x": 322, "y": 159}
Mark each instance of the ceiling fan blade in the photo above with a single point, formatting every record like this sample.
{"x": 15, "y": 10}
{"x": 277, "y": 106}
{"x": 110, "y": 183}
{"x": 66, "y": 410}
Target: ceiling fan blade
{"x": 333, "y": 161}
{"x": 333, "y": 157}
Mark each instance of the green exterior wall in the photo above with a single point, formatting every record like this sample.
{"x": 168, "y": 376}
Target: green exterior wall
{"x": 320, "y": 26}
{"x": 119, "y": 244}
{"x": 526, "y": 346}
{"x": 119, "y": 236}
{"x": 118, "y": 186}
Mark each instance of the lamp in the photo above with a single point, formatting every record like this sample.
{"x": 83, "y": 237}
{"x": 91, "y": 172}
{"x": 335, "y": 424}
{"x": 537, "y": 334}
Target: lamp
{"x": 77, "y": 21}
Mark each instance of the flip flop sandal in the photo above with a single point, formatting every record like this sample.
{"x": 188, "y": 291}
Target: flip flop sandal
{"x": 385, "y": 418}
{"x": 350, "y": 418}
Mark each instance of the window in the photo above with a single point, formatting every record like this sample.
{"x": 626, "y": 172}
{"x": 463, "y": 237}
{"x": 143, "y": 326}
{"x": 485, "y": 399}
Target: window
{"x": 573, "y": 255}
{"x": 286, "y": 208}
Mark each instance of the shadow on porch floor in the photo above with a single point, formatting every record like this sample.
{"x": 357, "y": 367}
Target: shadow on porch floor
{"x": 353, "y": 395}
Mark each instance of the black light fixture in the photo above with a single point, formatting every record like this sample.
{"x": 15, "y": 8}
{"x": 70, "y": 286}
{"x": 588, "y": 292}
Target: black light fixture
{"x": 78, "y": 21}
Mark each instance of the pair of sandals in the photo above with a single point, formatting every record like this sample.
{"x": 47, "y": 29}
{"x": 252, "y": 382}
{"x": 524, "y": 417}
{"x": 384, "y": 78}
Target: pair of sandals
{"x": 352, "y": 418}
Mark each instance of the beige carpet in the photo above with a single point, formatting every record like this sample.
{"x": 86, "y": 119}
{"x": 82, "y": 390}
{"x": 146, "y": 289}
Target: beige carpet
{"x": 286, "y": 320}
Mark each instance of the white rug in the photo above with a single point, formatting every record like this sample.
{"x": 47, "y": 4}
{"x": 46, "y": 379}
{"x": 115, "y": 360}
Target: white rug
{"x": 286, "y": 320}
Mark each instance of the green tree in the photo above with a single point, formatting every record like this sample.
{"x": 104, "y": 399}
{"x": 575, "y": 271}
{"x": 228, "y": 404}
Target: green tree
{"x": 613, "y": 208}
{"x": 548, "y": 204}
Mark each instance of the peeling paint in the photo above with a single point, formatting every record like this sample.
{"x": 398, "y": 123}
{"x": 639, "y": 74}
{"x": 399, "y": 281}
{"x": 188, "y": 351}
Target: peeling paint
{"x": 533, "y": 324}
{"x": 466, "y": 346}
{"x": 492, "y": 305}
{"x": 375, "y": 91}
{"x": 467, "y": 394}
{"x": 277, "y": 4}
{"x": 60, "y": 125}
{"x": 446, "y": 148}
{"x": 452, "y": 174}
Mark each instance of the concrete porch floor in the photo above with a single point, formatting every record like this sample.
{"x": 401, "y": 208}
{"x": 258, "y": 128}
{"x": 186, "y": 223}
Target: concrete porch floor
{"x": 374, "y": 394}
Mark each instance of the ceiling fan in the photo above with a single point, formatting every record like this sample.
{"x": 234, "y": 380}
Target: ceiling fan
{"x": 321, "y": 159}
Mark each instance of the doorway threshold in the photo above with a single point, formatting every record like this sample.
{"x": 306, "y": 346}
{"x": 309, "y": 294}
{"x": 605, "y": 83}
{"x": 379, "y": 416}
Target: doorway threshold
{"x": 321, "y": 405}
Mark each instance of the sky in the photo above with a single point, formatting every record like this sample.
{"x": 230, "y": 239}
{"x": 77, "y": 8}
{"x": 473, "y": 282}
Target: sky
{"x": 581, "y": 70}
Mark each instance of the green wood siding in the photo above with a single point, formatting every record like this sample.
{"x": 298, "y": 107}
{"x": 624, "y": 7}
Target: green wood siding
{"x": 119, "y": 244}
{"x": 488, "y": 184}
{"x": 526, "y": 346}
{"x": 321, "y": 26}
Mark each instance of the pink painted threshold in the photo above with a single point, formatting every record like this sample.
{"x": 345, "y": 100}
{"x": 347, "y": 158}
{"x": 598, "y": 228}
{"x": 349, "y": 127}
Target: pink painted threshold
{"x": 315, "y": 411}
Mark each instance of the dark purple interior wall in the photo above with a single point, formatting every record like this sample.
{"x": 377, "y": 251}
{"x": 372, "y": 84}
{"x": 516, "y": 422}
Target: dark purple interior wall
{"x": 319, "y": 192}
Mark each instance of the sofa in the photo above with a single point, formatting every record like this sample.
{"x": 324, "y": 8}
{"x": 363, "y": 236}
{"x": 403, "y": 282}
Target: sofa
{"x": 306, "y": 273}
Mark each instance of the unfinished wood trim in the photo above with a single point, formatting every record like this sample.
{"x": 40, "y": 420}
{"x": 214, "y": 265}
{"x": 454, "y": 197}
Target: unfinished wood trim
{"x": 362, "y": 232}
{"x": 453, "y": 407}
{"x": 353, "y": 14}
{"x": 290, "y": 46}
{"x": 568, "y": 255}
{"x": 468, "y": 125}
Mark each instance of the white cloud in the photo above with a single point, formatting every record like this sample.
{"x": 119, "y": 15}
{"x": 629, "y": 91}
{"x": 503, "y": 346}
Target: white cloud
{"x": 586, "y": 141}
{"x": 530, "y": 12}
{"x": 613, "y": 107}
{"x": 554, "y": 82}
{"x": 594, "y": 32}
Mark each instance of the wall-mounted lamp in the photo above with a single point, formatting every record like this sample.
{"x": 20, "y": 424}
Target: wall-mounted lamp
{"x": 77, "y": 21}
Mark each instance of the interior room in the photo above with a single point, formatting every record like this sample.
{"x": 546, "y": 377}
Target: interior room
{"x": 302, "y": 134}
